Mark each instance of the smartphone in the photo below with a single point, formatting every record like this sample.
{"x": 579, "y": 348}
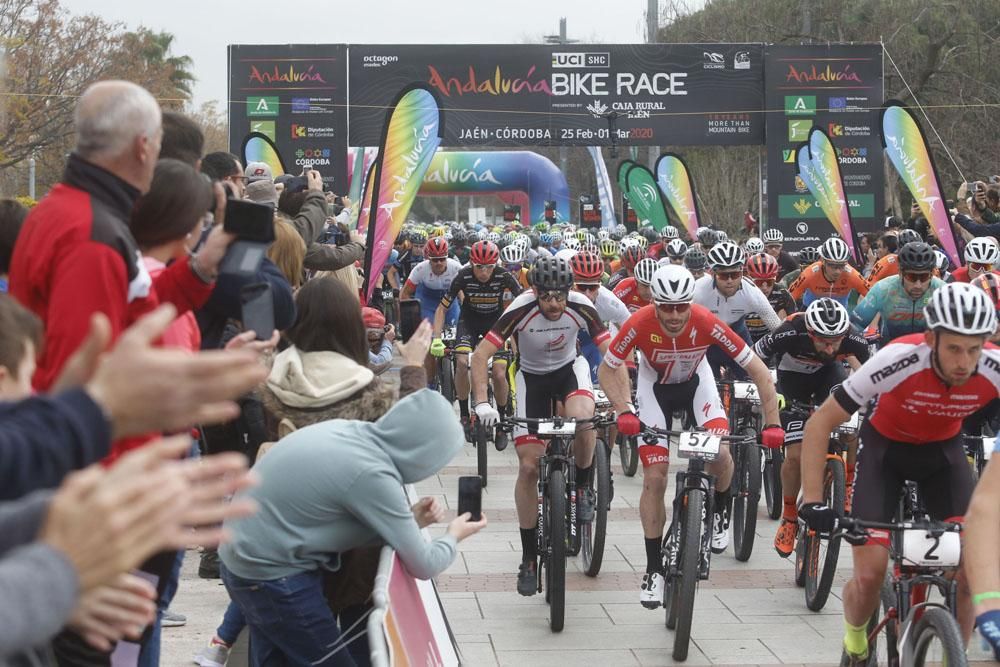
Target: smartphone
{"x": 258, "y": 310}
{"x": 470, "y": 497}
{"x": 409, "y": 318}
{"x": 250, "y": 221}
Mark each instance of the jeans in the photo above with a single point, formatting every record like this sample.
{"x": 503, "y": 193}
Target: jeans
{"x": 232, "y": 625}
{"x": 290, "y": 622}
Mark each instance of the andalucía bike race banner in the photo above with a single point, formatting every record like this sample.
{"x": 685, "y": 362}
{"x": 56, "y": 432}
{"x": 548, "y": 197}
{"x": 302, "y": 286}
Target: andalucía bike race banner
{"x": 820, "y": 171}
{"x": 675, "y": 183}
{"x": 411, "y": 136}
{"x": 644, "y": 196}
{"x": 906, "y": 146}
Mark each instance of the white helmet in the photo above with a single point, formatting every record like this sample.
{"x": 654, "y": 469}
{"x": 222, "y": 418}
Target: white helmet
{"x": 721, "y": 236}
{"x": 625, "y": 243}
{"x": 982, "y": 250}
{"x": 523, "y": 241}
{"x": 676, "y": 248}
{"x": 556, "y": 236}
{"x": 961, "y": 308}
{"x": 725, "y": 255}
{"x": 571, "y": 242}
{"x": 754, "y": 246}
{"x": 834, "y": 250}
{"x": 672, "y": 284}
{"x": 669, "y": 232}
{"x": 512, "y": 254}
{"x": 603, "y": 234}
{"x": 644, "y": 270}
{"x": 827, "y": 317}
{"x": 565, "y": 253}
{"x": 942, "y": 261}
{"x": 493, "y": 237}
{"x": 773, "y": 235}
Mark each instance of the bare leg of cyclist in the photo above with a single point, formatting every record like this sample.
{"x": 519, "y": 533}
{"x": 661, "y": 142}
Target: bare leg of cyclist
{"x": 861, "y": 594}
{"x": 722, "y": 468}
{"x": 791, "y": 482}
{"x": 582, "y": 407}
{"x": 526, "y": 501}
{"x": 652, "y": 510}
{"x": 500, "y": 389}
{"x": 964, "y": 611}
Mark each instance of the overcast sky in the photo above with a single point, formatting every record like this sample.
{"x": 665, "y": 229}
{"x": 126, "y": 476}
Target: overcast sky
{"x": 203, "y": 28}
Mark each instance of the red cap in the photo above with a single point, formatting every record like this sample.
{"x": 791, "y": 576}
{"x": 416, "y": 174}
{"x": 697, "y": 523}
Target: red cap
{"x": 372, "y": 318}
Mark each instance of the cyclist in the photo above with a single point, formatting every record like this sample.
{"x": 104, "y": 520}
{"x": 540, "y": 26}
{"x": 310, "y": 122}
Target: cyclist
{"x": 481, "y": 287}
{"x": 587, "y": 271}
{"x": 658, "y": 250}
{"x": 544, "y": 323}
{"x": 609, "y": 252}
{"x": 630, "y": 253}
{"x": 898, "y": 300}
{"x": 981, "y": 540}
{"x": 513, "y": 261}
{"x": 809, "y": 349}
{"x": 415, "y": 255}
{"x": 805, "y": 256}
{"x": 762, "y": 269}
{"x": 459, "y": 248}
{"x": 888, "y": 264}
{"x": 990, "y": 283}
{"x": 754, "y": 246}
{"x": 676, "y": 249}
{"x": 981, "y": 255}
{"x": 774, "y": 242}
{"x": 923, "y": 386}
{"x": 696, "y": 261}
{"x": 634, "y": 292}
{"x": 943, "y": 264}
{"x": 830, "y": 276}
{"x": 673, "y": 335}
{"x": 428, "y": 281}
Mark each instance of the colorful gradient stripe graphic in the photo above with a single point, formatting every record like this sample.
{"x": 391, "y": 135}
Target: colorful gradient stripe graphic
{"x": 412, "y": 133}
{"x": 906, "y": 145}
{"x": 675, "y": 183}
{"x": 820, "y": 171}
{"x": 258, "y": 148}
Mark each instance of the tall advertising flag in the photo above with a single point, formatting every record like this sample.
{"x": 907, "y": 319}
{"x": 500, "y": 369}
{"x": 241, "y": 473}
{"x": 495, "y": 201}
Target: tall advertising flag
{"x": 906, "y": 145}
{"x": 820, "y": 171}
{"x": 258, "y": 147}
{"x": 623, "y": 168}
{"x": 644, "y": 196}
{"x": 603, "y": 187}
{"x": 675, "y": 183}
{"x": 413, "y": 129}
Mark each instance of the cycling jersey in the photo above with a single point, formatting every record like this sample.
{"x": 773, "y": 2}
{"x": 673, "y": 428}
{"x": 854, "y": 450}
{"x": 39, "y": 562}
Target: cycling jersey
{"x": 429, "y": 288}
{"x": 883, "y": 268}
{"x": 899, "y": 315}
{"x": 732, "y": 310}
{"x": 619, "y": 275}
{"x": 812, "y": 284}
{"x": 780, "y": 300}
{"x": 667, "y": 359}
{"x": 407, "y": 262}
{"x": 481, "y": 300}
{"x": 793, "y": 346}
{"x": 613, "y": 313}
{"x": 789, "y": 278}
{"x": 914, "y": 405}
{"x": 961, "y": 275}
{"x": 628, "y": 291}
{"x": 786, "y": 263}
{"x": 545, "y": 345}
{"x": 657, "y": 251}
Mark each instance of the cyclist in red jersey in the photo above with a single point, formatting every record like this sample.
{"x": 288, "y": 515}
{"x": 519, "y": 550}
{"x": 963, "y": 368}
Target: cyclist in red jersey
{"x": 634, "y": 292}
{"x": 923, "y": 385}
{"x": 673, "y": 336}
{"x": 981, "y": 255}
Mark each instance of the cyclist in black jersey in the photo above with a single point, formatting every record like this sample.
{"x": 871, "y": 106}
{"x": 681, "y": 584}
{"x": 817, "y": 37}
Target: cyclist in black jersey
{"x": 481, "y": 284}
{"x": 762, "y": 269}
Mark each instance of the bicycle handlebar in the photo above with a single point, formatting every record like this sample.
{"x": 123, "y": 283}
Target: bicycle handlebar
{"x": 859, "y": 527}
{"x": 665, "y": 433}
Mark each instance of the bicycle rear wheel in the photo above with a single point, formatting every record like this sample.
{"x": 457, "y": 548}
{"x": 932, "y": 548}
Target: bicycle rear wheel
{"x": 685, "y": 586}
{"x": 822, "y": 553}
{"x": 556, "y": 565}
{"x": 479, "y": 433}
{"x": 593, "y": 533}
{"x": 446, "y": 375}
{"x": 938, "y": 627}
{"x": 746, "y": 498}
{"x": 772, "y": 482}
{"x": 628, "y": 451}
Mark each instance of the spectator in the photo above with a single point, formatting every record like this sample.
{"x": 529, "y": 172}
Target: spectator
{"x": 12, "y": 215}
{"x": 976, "y": 213}
{"x": 257, "y": 172}
{"x": 380, "y": 339}
{"x": 308, "y": 213}
{"x": 20, "y": 341}
{"x": 225, "y": 168}
{"x": 288, "y": 251}
{"x": 263, "y": 192}
{"x": 182, "y": 139}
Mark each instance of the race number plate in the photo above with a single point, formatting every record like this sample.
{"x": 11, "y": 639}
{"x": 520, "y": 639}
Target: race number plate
{"x": 550, "y": 428}
{"x": 989, "y": 444}
{"x": 699, "y": 445}
{"x": 448, "y": 333}
{"x": 601, "y": 399}
{"x": 922, "y": 548}
{"x": 746, "y": 391}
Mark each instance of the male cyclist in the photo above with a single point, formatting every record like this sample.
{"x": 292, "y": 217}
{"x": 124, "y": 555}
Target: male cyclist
{"x": 831, "y": 276}
{"x": 429, "y": 281}
{"x": 634, "y": 292}
{"x": 981, "y": 255}
{"x": 587, "y": 271}
{"x": 676, "y": 249}
{"x": 762, "y": 269}
{"x": 696, "y": 261}
{"x": 673, "y": 335}
{"x": 544, "y": 322}
{"x": 809, "y": 348}
{"x": 774, "y": 242}
{"x": 481, "y": 286}
{"x": 805, "y": 256}
{"x": 888, "y": 263}
{"x": 923, "y": 386}
{"x": 513, "y": 261}
{"x": 631, "y": 253}
{"x": 658, "y": 250}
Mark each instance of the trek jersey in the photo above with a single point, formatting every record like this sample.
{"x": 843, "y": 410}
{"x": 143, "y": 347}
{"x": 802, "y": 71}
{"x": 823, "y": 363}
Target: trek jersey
{"x": 672, "y": 360}
{"x": 732, "y": 310}
{"x": 481, "y": 301}
{"x": 883, "y": 268}
{"x": 545, "y": 345}
{"x": 914, "y": 405}
{"x": 628, "y": 291}
{"x": 899, "y": 314}
{"x": 429, "y": 288}
{"x": 812, "y": 284}
{"x": 780, "y": 299}
{"x": 795, "y": 351}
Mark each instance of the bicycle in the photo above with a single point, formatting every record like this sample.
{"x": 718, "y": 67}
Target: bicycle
{"x": 594, "y": 534}
{"x": 745, "y": 419}
{"x": 977, "y": 451}
{"x": 687, "y": 551}
{"x": 925, "y": 554}
{"x": 628, "y": 446}
{"x": 446, "y": 365}
{"x": 558, "y": 533}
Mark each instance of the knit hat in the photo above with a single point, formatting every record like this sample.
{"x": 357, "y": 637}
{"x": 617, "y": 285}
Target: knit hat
{"x": 262, "y": 192}
{"x": 315, "y": 379}
{"x": 257, "y": 171}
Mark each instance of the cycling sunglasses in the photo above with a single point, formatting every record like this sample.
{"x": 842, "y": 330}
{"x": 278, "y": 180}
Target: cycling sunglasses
{"x": 436, "y": 260}
{"x": 483, "y": 266}
{"x": 833, "y": 340}
{"x": 587, "y": 288}
{"x": 911, "y": 277}
{"x": 976, "y": 266}
{"x": 553, "y": 295}
{"x": 728, "y": 275}
{"x": 767, "y": 282}
{"x": 673, "y": 307}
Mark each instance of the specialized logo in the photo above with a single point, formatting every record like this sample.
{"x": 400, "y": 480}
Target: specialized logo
{"x": 894, "y": 368}
{"x": 262, "y": 106}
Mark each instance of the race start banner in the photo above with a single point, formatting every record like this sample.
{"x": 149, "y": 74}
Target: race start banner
{"x": 839, "y": 89}
{"x": 296, "y": 96}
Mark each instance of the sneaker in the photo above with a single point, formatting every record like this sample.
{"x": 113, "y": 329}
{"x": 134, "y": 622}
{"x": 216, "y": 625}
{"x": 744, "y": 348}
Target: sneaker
{"x": 784, "y": 540}
{"x": 208, "y": 568}
{"x": 500, "y": 439}
{"x": 213, "y": 655}
{"x": 527, "y": 578}
{"x": 651, "y": 590}
{"x": 585, "y": 504}
{"x": 467, "y": 427}
{"x": 720, "y": 533}
{"x": 169, "y": 619}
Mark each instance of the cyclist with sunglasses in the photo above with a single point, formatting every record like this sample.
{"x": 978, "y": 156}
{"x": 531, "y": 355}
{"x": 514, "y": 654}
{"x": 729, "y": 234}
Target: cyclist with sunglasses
{"x": 587, "y": 272}
{"x": 830, "y": 277}
{"x": 481, "y": 286}
{"x": 762, "y": 269}
{"x": 428, "y": 281}
{"x": 888, "y": 264}
{"x": 673, "y": 335}
{"x": 898, "y": 300}
{"x": 809, "y": 349}
{"x": 981, "y": 255}
{"x": 544, "y": 323}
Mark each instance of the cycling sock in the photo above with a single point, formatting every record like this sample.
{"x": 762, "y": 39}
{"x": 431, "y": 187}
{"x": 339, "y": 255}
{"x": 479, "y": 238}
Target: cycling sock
{"x": 463, "y": 407}
{"x": 529, "y": 544}
{"x": 791, "y": 512}
{"x": 849, "y": 479}
{"x": 856, "y": 639}
{"x": 583, "y": 476}
{"x": 654, "y": 557}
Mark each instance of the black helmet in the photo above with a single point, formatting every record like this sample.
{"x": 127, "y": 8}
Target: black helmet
{"x": 696, "y": 260}
{"x": 551, "y": 273}
{"x": 649, "y": 234}
{"x": 907, "y": 236}
{"x": 916, "y": 256}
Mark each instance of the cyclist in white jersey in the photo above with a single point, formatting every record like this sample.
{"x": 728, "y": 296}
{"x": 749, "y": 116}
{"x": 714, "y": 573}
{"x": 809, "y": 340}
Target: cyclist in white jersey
{"x": 587, "y": 271}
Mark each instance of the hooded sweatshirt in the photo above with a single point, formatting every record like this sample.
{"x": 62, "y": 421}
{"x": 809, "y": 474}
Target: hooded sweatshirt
{"x": 338, "y": 485}
{"x": 315, "y": 379}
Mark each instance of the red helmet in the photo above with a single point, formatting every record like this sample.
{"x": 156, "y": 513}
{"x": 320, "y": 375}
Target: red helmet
{"x": 631, "y": 255}
{"x": 762, "y": 267}
{"x": 436, "y": 247}
{"x": 587, "y": 267}
{"x": 991, "y": 283}
{"x": 484, "y": 252}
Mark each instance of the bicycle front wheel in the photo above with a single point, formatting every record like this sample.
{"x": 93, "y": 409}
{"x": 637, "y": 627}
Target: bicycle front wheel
{"x": 822, "y": 553}
{"x": 628, "y": 451}
{"x": 592, "y": 534}
{"x": 446, "y": 373}
{"x": 556, "y": 565}
{"x": 772, "y": 482}
{"x": 480, "y": 438}
{"x": 685, "y": 586}
{"x": 937, "y": 637}
{"x": 746, "y": 499}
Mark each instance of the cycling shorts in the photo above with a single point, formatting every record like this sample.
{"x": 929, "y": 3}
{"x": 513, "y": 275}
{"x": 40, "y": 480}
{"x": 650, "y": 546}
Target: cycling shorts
{"x": 537, "y": 393}
{"x": 698, "y": 398}
{"x": 940, "y": 469}
{"x": 430, "y": 299}
{"x": 811, "y": 388}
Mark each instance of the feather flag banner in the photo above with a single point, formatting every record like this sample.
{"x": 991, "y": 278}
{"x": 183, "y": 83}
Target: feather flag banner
{"x": 644, "y": 196}
{"x": 603, "y": 187}
{"x": 820, "y": 171}
{"x": 259, "y": 148}
{"x": 675, "y": 183}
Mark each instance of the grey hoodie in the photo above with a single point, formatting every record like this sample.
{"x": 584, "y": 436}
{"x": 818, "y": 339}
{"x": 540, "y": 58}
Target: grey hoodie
{"x": 338, "y": 485}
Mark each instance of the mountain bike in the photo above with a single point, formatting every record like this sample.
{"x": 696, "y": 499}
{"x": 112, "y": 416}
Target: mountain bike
{"x": 446, "y": 365}
{"x": 594, "y": 534}
{"x": 744, "y": 419}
